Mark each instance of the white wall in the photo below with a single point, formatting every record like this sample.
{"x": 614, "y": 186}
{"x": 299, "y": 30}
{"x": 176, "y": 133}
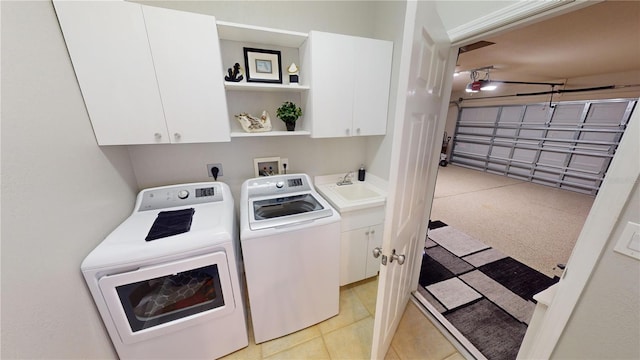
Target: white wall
{"x": 606, "y": 321}
{"x": 61, "y": 193}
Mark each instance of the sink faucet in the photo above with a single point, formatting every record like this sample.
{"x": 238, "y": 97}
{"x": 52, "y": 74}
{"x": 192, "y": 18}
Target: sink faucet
{"x": 346, "y": 180}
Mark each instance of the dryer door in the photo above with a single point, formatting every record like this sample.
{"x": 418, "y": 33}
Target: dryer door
{"x": 159, "y": 299}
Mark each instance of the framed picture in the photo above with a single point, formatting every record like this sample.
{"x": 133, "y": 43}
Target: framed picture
{"x": 267, "y": 166}
{"x": 263, "y": 65}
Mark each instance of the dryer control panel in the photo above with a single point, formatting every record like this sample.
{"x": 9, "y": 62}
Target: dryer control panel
{"x": 179, "y": 195}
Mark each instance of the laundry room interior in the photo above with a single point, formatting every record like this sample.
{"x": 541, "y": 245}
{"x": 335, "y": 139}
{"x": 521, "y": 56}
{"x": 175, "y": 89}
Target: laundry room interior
{"x": 63, "y": 193}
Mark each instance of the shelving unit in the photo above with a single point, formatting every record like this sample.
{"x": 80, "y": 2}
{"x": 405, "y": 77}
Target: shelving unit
{"x": 254, "y": 97}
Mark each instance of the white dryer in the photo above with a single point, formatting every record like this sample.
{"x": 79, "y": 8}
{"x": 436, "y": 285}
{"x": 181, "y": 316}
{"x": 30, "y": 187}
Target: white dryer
{"x": 167, "y": 280}
{"x": 290, "y": 240}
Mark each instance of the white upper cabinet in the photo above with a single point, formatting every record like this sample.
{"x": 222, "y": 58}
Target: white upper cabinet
{"x": 186, "y": 54}
{"x": 147, "y": 76}
{"x": 350, "y": 79}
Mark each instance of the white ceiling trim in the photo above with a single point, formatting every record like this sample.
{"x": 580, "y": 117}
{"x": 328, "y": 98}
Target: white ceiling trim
{"x": 507, "y": 15}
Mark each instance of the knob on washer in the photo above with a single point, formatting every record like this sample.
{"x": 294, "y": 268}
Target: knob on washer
{"x": 183, "y": 194}
{"x": 280, "y": 184}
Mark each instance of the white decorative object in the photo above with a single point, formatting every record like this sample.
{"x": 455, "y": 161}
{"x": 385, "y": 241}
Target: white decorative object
{"x": 252, "y": 124}
{"x": 293, "y": 74}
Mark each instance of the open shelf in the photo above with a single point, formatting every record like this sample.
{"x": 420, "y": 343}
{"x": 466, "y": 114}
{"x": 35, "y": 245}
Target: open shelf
{"x": 244, "y": 86}
{"x": 237, "y": 134}
{"x": 261, "y": 35}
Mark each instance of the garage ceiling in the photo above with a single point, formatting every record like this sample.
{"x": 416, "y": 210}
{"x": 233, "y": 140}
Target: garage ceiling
{"x": 600, "y": 39}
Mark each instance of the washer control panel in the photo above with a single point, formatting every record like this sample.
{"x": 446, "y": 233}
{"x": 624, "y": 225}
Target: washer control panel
{"x": 278, "y": 184}
{"x": 179, "y": 195}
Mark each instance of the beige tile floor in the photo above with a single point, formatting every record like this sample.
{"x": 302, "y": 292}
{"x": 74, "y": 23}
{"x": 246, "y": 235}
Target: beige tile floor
{"x": 348, "y": 335}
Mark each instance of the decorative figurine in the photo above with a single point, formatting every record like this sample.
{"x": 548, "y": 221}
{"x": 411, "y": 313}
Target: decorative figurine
{"x": 253, "y": 124}
{"x": 293, "y": 73}
{"x": 235, "y": 75}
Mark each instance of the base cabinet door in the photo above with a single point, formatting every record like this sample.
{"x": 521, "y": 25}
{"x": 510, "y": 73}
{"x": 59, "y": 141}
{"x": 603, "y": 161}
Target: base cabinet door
{"x": 353, "y": 259}
{"x": 374, "y": 240}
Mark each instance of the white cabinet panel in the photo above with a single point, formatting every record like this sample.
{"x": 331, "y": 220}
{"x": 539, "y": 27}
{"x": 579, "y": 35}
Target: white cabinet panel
{"x": 187, "y": 61}
{"x": 107, "y": 41}
{"x": 148, "y": 75}
{"x": 371, "y": 95}
{"x": 374, "y": 240}
{"x": 350, "y": 79}
{"x": 361, "y": 233}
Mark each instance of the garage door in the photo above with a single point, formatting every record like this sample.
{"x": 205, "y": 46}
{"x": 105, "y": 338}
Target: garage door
{"x": 569, "y": 145}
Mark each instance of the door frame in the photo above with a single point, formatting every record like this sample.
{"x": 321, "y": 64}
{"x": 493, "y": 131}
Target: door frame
{"x": 613, "y": 194}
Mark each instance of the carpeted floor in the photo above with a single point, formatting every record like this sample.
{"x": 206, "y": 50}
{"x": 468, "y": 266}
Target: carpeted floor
{"x": 485, "y": 294}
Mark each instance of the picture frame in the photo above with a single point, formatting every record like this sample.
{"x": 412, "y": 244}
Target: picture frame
{"x": 262, "y": 65}
{"x": 267, "y": 166}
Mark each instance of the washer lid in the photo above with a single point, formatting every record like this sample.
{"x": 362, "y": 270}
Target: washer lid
{"x": 286, "y": 210}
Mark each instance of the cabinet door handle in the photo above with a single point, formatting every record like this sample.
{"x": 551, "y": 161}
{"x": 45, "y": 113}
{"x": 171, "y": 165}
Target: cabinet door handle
{"x": 177, "y": 136}
{"x": 358, "y": 130}
{"x": 377, "y": 252}
{"x": 373, "y": 232}
{"x": 367, "y": 233}
{"x": 158, "y": 136}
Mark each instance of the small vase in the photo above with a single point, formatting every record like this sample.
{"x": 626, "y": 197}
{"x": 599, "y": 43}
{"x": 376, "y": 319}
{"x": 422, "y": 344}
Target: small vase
{"x": 291, "y": 126}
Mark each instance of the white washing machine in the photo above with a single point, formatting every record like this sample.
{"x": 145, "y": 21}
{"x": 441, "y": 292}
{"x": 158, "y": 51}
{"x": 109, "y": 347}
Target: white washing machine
{"x": 290, "y": 240}
{"x": 167, "y": 280}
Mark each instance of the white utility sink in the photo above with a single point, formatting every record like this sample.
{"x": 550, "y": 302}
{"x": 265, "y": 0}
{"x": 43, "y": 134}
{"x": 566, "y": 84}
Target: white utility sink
{"x": 358, "y": 195}
{"x": 355, "y": 192}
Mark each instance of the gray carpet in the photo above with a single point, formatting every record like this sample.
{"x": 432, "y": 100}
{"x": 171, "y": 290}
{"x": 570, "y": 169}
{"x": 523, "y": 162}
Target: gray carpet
{"x": 490, "y": 329}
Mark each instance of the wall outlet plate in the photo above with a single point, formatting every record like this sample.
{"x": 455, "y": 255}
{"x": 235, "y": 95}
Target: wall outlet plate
{"x": 211, "y": 166}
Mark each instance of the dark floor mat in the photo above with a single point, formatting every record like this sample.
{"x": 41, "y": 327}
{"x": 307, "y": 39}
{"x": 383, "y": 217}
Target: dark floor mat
{"x": 435, "y": 224}
{"x": 517, "y": 277}
{"x": 494, "y": 332}
{"x": 432, "y": 271}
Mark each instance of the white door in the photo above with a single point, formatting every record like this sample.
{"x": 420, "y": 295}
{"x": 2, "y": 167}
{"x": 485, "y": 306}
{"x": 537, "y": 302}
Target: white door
{"x": 419, "y": 125}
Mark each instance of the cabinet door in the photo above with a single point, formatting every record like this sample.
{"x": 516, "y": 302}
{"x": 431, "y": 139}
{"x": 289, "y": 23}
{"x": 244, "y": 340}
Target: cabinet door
{"x": 371, "y": 94}
{"x": 353, "y": 255}
{"x": 332, "y": 63}
{"x": 108, "y": 45}
{"x": 374, "y": 240}
{"x": 188, "y": 65}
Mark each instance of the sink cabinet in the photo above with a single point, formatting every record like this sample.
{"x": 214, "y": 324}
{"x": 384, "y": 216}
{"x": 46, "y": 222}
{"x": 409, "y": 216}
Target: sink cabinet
{"x": 148, "y": 75}
{"x": 361, "y": 233}
{"x": 350, "y": 77}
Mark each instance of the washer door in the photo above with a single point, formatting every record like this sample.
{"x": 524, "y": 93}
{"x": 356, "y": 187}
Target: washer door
{"x": 159, "y": 299}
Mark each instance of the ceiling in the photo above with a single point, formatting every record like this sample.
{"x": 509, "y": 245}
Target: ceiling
{"x": 600, "y": 39}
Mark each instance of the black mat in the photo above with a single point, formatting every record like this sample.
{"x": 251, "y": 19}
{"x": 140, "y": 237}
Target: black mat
{"x": 432, "y": 271}
{"x": 435, "y": 224}
{"x": 517, "y": 277}
{"x": 490, "y": 329}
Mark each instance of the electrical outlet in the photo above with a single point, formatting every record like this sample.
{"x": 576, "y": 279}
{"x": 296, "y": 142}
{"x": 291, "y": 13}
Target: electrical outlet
{"x": 284, "y": 162}
{"x": 211, "y": 166}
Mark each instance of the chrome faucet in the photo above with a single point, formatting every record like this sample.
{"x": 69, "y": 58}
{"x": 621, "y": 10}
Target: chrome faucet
{"x": 346, "y": 180}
